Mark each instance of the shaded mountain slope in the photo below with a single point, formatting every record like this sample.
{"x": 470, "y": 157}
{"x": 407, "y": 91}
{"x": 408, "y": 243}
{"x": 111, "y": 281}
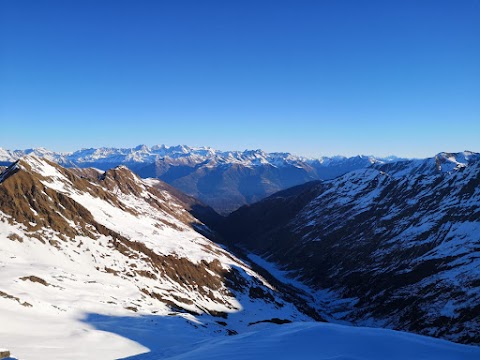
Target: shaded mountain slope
{"x": 394, "y": 246}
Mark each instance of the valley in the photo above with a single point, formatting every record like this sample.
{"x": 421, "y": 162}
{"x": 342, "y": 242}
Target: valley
{"x": 138, "y": 269}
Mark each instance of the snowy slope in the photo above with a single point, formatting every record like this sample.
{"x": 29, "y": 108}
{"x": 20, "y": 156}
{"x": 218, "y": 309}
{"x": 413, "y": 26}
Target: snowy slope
{"x": 441, "y": 163}
{"x": 72, "y": 249}
{"x": 318, "y": 341}
{"x": 396, "y": 245}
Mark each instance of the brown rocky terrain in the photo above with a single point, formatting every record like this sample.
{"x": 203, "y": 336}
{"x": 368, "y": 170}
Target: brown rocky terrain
{"x": 81, "y": 212}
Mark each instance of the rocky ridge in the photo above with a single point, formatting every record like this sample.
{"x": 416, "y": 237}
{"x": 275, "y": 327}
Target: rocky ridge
{"x": 80, "y": 242}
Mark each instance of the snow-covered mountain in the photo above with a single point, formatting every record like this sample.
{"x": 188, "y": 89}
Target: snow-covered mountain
{"x": 181, "y": 154}
{"x": 105, "y": 265}
{"x": 395, "y": 245}
{"x": 75, "y": 247}
{"x": 224, "y": 180}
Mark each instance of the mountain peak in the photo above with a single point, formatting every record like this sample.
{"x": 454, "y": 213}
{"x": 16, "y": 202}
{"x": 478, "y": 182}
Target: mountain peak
{"x": 145, "y": 154}
{"x": 447, "y": 162}
{"x": 39, "y": 165}
{"x": 142, "y": 147}
{"x": 30, "y": 163}
{"x": 122, "y": 178}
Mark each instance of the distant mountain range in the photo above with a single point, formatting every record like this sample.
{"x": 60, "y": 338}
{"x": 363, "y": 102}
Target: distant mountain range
{"x": 224, "y": 180}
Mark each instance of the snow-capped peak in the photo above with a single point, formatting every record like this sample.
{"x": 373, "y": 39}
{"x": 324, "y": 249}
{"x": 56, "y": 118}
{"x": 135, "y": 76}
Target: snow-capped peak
{"x": 447, "y": 162}
{"x": 182, "y": 153}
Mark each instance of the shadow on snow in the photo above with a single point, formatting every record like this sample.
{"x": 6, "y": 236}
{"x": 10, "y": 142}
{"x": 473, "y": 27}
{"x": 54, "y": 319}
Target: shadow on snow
{"x": 164, "y": 336}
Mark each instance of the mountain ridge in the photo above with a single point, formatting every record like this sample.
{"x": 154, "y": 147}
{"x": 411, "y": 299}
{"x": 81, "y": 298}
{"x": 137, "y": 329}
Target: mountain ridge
{"x": 224, "y": 180}
{"x": 115, "y": 245}
{"x": 143, "y": 153}
{"x": 393, "y": 245}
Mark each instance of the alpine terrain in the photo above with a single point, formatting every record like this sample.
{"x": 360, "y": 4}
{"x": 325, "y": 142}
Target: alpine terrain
{"x": 76, "y": 246}
{"x": 102, "y": 264}
{"x": 224, "y": 180}
{"x": 395, "y": 245}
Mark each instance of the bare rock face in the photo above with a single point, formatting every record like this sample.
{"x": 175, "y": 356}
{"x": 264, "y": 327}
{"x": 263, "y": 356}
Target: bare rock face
{"x": 395, "y": 245}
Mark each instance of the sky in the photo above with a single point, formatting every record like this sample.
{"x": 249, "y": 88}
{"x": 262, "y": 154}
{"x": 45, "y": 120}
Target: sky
{"x": 315, "y": 78}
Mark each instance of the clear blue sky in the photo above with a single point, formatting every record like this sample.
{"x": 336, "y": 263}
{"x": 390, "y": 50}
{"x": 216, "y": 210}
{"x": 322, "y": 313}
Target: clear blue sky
{"x": 310, "y": 77}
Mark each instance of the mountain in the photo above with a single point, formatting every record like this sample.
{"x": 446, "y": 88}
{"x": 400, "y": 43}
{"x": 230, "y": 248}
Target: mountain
{"x": 106, "y": 265}
{"x": 199, "y": 210}
{"x": 394, "y": 245}
{"x": 77, "y": 246}
{"x": 224, "y": 180}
